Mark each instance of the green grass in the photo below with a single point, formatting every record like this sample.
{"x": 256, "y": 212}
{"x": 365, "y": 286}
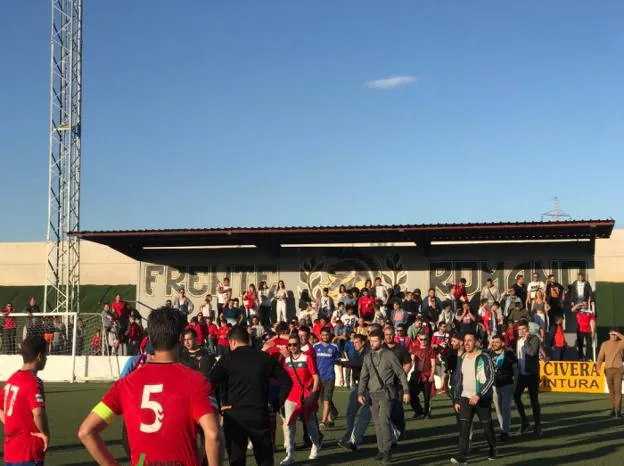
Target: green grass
{"x": 576, "y": 431}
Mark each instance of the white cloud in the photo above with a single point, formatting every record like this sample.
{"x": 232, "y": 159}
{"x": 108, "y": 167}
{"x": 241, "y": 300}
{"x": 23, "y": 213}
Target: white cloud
{"x": 391, "y": 83}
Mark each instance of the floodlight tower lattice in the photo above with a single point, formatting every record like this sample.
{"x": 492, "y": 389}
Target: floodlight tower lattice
{"x": 61, "y": 293}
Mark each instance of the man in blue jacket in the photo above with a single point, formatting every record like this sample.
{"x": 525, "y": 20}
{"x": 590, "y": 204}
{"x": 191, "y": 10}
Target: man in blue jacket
{"x": 472, "y": 394}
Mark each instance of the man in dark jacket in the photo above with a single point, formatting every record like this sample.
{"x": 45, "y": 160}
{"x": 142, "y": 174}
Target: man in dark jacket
{"x": 505, "y": 364}
{"x": 527, "y": 351}
{"x": 473, "y": 385}
{"x": 243, "y": 376}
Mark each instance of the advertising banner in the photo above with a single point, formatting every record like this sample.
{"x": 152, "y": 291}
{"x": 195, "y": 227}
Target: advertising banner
{"x": 571, "y": 377}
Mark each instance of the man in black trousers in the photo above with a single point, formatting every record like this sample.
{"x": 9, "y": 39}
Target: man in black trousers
{"x": 242, "y": 378}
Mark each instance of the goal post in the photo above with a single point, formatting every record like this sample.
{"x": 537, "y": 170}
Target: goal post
{"x": 78, "y": 346}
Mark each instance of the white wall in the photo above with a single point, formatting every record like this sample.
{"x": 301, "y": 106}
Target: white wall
{"x": 59, "y": 368}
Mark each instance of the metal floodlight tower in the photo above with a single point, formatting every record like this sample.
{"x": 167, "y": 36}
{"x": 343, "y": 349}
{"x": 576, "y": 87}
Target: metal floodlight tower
{"x": 62, "y": 283}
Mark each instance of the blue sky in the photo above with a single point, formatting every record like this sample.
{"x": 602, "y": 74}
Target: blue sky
{"x": 200, "y": 114}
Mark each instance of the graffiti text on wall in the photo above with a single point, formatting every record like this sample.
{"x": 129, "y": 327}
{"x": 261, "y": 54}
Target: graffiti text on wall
{"x": 444, "y": 273}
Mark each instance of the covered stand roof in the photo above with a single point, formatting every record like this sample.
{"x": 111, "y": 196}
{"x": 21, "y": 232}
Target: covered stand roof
{"x": 134, "y": 242}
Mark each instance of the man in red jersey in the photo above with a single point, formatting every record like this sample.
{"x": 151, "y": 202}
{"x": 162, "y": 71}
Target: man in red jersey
{"x": 365, "y": 306}
{"x": 161, "y": 406}
{"x": 302, "y": 399}
{"x": 22, "y": 408}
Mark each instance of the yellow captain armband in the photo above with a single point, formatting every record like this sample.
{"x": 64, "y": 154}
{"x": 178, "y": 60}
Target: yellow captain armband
{"x": 104, "y": 412}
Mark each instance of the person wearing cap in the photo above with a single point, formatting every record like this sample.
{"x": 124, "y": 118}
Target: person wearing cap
{"x": 612, "y": 353}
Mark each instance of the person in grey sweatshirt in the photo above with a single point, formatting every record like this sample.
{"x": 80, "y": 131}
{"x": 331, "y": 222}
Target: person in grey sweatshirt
{"x": 379, "y": 370}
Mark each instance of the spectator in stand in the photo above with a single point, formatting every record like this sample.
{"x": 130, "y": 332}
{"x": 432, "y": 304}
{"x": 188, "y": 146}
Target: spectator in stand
{"x": 539, "y": 314}
{"x": 223, "y": 343}
{"x": 10, "y": 330}
{"x": 107, "y": 321}
{"x": 416, "y": 294}
{"x": 518, "y": 313}
{"x": 380, "y": 315}
{"x": 183, "y": 304}
{"x": 134, "y": 335}
{"x": 257, "y": 332}
{"x": 398, "y": 316}
{"x": 586, "y": 330}
{"x": 362, "y": 327}
{"x": 327, "y": 355}
{"x": 417, "y": 328}
{"x": 121, "y": 312}
{"x": 212, "y": 333}
{"x": 490, "y": 292}
{"x": 410, "y": 306}
{"x": 535, "y": 285}
{"x": 381, "y": 293}
{"x": 612, "y": 353}
{"x": 325, "y": 304}
{"x": 402, "y": 338}
{"x": 32, "y": 306}
{"x": 450, "y": 298}
{"x": 432, "y": 306}
{"x": 320, "y": 324}
{"x": 422, "y": 378}
{"x": 339, "y": 313}
{"x": 459, "y": 292}
{"x": 308, "y": 314}
{"x": 483, "y": 307}
{"x": 264, "y": 304}
{"x": 520, "y": 289}
{"x": 206, "y": 308}
{"x": 281, "y": 298}
{"x": 554, "y": 296}
{"x": 80, "y": 335}
{"x": 440, "y": 340}
{"x": 447, "y": 316}
{"x": 493, "y": 319}
{"x": 556, "y": 339}
{"x": 232, "y": 313}
{"x": 250, "y": 302}
{"x": 509, "y": 301}
{"x": 505, "y": 364}
{"x": 527, "y": 351}
{"x": 340, "y": 335}
{"x": 467, "y": 320}
{"x": 581, "y": 291}
{"x": 350, "y": 319}
{"x": 366, "y": 305}
{"x": 343, "y": 296}
{"x": 224, "y": 294}
{"x": 96, "y": 343}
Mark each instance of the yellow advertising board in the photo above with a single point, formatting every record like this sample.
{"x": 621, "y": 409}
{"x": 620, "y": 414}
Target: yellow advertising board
{"x": 571, "y": 377}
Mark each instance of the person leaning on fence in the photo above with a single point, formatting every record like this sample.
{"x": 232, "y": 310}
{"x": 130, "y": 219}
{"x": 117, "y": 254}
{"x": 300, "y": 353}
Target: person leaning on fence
{"x": 379, "y": 371}
{"x": 612, "y": 353}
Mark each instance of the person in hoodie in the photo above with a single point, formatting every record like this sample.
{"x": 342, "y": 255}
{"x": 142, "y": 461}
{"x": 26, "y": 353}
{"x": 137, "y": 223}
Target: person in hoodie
{"x": 473, "y": 385}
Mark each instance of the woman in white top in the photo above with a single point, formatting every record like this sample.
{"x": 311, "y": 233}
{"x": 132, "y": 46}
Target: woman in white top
{"x": 206, "y": 308}
{"x": 264, "y": 301}
{"x": 281, "y": 296}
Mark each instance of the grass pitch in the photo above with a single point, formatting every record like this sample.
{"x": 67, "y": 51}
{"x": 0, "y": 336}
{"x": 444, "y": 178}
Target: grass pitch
{"x": 577, "y": 431}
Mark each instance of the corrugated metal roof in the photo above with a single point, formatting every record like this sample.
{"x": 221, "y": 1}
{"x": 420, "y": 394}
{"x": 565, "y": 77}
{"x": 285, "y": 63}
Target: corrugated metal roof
{"x": 572, "y": 224}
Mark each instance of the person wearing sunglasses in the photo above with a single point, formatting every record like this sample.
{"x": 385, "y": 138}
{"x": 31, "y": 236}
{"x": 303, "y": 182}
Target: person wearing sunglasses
{"x": 302, "y": 399}
{"x": 421, "y": 380}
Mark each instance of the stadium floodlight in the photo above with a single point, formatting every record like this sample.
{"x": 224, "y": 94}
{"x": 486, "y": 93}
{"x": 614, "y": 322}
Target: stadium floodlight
{"x": 62, "y": 279}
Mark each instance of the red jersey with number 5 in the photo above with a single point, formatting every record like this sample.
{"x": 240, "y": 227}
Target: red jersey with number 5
{"x": 22, "y": 393}
{"x": 161, "y": 404}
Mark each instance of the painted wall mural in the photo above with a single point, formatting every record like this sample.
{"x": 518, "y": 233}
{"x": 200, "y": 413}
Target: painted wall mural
{"x": 444, "y": 273}
{"x": 316, "y": 273}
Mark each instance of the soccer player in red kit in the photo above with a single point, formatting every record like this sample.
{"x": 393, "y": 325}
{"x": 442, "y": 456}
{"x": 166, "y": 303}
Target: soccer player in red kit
{"x": 161, "y": 405}
{"x": 22, "y": 408}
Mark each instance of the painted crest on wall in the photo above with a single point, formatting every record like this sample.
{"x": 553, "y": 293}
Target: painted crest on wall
{"x": 318, "y": 272}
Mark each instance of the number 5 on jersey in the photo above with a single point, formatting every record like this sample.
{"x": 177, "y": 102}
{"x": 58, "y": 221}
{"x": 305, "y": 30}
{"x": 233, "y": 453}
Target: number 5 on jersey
{"x": 155, "y": 406}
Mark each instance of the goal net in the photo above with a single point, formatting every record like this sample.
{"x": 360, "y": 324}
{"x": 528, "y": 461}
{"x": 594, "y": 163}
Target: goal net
{"x": 81, "y": 347}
